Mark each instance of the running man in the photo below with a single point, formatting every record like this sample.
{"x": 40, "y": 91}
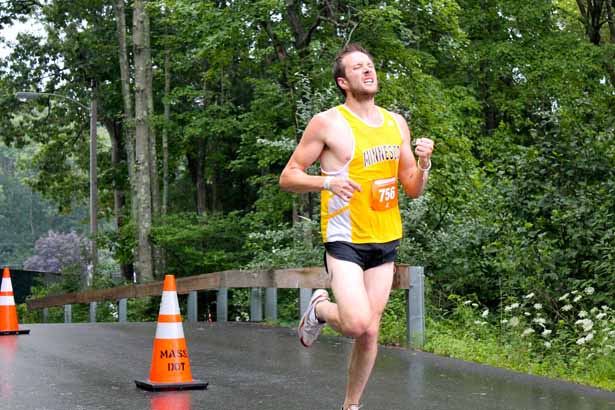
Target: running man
{"x": 364, "y": 151}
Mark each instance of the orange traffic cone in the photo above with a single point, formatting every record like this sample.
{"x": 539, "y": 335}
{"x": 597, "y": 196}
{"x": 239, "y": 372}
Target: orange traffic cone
{"x": 170, "y": 362}
{"x": 8, "y": 312}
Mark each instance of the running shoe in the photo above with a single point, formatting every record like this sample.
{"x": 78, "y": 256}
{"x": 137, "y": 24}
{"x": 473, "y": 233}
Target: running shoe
{"x": 353, "y": 407}
{"x": 310, "y": 326}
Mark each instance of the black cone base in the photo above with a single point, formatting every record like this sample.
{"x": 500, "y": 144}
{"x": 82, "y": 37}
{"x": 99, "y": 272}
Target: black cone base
{"x": 151, "y": 386}
{"x": 14, "y": 332}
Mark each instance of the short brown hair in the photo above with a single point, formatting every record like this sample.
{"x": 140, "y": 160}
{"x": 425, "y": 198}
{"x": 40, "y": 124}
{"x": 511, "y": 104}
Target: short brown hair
{"x": 338, "y": 67}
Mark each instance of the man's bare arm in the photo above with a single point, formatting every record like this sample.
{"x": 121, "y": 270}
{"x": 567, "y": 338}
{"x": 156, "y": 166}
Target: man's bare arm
{"x": 313, "y": 142}
{"x": 412, "y": 175}
{"x": 293, "y": 177}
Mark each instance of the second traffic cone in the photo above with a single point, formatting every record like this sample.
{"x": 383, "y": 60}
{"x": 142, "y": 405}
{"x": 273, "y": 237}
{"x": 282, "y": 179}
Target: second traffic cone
{"x": 8, "y": 312}
{"x": 170, "y": 362}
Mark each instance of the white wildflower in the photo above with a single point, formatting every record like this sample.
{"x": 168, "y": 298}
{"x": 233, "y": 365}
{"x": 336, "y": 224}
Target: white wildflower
{"x": 566, "y": 308}
{"x": 546, "y": 332}
{"x": 475, "y": 305}
{"x": 504, "y": 321}
{"x": 540, "y": 320}
{"x": 594, "y": 310}
{"x": 527, "y": 313}
{"x": 581, "y": 341}
{"x": 537, "y": 306}
{"x": 511, "y": 307}
{"x": 577, "y": 298}
{"x": 527, "y": 332}
{"x": 485, "y": 313}
{"x": 587, "y": 326}
{"x": 548, "y": 345}
{"x": 514, "y": 322}
{"x": 589, "y": 290}
{"x": 586, "y": 323}
{"x": 564, "y": 297}
{"x": 531, "y": 295}
{"x": 612, "y": 333}
{"x": 600, "y": 316}
{"x": 604, "y": 307}
{"x": 582, "y": 313}
{"x": 467, "y": 302}
{"x": 589, "y": 336}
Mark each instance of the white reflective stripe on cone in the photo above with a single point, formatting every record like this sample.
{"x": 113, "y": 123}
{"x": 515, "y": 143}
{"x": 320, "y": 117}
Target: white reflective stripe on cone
{"x": 169, "y": 330}
{"x": 6, "y": 286}
{"x": 169, "y": 304}
{"x": 7, "y": 301}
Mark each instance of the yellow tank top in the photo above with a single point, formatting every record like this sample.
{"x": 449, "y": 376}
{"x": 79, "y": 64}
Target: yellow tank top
{"x": 372, "y": 215}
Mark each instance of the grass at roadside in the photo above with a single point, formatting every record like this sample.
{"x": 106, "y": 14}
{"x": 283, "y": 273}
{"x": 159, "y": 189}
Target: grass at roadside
{"x": 448, "y": 339}
{"x": 576, "y": 344}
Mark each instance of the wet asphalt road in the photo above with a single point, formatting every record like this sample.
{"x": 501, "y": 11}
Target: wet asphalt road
{"x": 93, "y": 367}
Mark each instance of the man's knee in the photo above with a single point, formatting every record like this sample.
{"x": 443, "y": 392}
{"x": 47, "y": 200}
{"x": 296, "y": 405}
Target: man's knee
{"x": 356, "y": 325}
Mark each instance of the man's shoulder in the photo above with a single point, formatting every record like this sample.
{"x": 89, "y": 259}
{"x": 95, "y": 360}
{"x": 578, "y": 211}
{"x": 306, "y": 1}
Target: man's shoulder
{"x": 326, "y": 118}
{"x": 394, "y": 114}
{"x": 330, "y": 114}
{"x": 399, "y": 118}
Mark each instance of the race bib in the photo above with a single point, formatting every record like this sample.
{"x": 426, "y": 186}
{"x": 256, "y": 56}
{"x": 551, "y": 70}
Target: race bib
{"x": 384, "y": 194}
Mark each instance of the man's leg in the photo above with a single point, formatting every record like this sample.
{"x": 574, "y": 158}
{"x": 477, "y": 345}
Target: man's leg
{"x": 351, "y": 313}
{"x": 378, "y": 285}
{"x": 361, "y": 298}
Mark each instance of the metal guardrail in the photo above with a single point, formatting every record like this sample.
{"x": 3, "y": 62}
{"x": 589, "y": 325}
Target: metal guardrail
{"x": 410, "y": 278}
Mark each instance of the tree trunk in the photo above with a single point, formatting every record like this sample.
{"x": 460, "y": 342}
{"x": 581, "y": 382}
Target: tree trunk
{"x": 153, "y": 156}
{"x": 165, "y": 133}
{"x": 120, "y": 15}
{"x": 610, "y": 20}
{"x": 114, "y": 128}
{"x": 144, "y": 197}
{"x": 201, "y": 183}
{"x": 196, "y": 165}
{"x": 152, "y": 129}
{"x": 592, "y": 13}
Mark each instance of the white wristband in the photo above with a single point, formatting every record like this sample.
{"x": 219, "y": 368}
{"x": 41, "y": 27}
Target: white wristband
{"x": 327, "y": 183}
{"x": 418, "y": 164}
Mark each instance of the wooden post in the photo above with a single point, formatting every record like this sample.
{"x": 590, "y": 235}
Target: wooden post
{"x": 123, "y": 308}
{"x": 92, "y": 312}
{"x": 45, "y": 315}
{"x": 415, "y": 308}
{"x": 68, "y": 313}
{"x": 304, "y": 300}
{"x": 256, "y": 305}
{"x": 192, "y": 306}
{"x": 222, "y": 305}
{"x": 271, "y": 304}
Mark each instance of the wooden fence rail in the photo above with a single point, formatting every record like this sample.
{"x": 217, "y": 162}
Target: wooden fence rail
{"x": 406, "y": 277}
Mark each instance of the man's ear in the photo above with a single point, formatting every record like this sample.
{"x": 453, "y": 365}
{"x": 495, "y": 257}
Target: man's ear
{"x": 341, "y": 82}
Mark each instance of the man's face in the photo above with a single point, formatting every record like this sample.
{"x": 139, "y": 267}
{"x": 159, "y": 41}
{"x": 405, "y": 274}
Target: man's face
{"x": 361, "y": 80}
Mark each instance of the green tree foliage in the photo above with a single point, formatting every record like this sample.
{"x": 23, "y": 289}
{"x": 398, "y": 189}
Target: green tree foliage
{"x": 24, "y": 215}
{"x": 517, "y": 97}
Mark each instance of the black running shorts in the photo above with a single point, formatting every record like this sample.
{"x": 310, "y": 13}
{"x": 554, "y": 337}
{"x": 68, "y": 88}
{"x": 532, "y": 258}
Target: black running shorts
{"x": 366, "y": 255}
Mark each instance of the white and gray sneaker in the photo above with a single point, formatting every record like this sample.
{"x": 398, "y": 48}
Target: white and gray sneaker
{"x": 310, "y": 326}
{"x": 353, "y": 407}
